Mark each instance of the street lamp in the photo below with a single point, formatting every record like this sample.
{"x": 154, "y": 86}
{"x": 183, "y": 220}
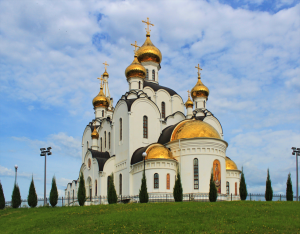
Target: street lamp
{"x": 45, "y": 152}
{"x": 144, "y": 156}
{"x": 16, "y": 168}
{"x": 296, "y": 151}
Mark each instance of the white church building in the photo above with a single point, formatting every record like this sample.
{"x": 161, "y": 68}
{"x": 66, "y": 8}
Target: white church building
{"x": 150, "y": 118}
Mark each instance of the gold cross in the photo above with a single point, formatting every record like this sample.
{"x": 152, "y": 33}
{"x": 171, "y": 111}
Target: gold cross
{"x": 148, "y": 23}
{"x": 105, "y": 64}
{"x": 189, "y": 93}
{"x": 199, "y": 69}
{"x": 135, "y": 46}
{"x": 101, "y": 79}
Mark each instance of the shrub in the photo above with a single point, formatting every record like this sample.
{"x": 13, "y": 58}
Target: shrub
{"x": 111, "y": 193}
{"x": 243, "y": 187}
{"x": 177, "y": 190}
{"x": 53, "y": 193}
{"x": 213, "y": 193}
{"x": 2, "y": 198}
{"x": 289, "y": 189}
{"x": 32, "y": 197}
{"x": 16, "y": 197}
{"x": 143, "y": 195}
{"x": 269, "y": 190}
{"x": 81, "y": 191}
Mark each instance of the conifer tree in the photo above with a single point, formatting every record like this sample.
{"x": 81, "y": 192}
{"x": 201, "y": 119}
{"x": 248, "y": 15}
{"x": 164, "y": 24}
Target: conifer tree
{"x": 289, "y": 189}
{"x": 16, "y": 197}
{"x": 2, "y": 198}
{"x": 81, "y": 194}
{"x": 213, "y": 193}
{"x": 111, "y": 193}
{"x": 243, "y": 187}
{"x": 269, "y": 190}
{"x": 177, "y": 190}
{"x": 143, "y": 195}
{"x": 53, "y": 193}
{"x": 32, "y": 196}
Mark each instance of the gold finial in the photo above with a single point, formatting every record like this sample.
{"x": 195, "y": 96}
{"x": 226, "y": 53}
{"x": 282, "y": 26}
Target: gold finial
{"x": 148, "y": 23}
{"x": 199, "y": 69}
{"x": 135, "y": 46}
{"x": 101, "y": 80}
{"x": 189, "y": 93}
{"x": 105, "y": 64}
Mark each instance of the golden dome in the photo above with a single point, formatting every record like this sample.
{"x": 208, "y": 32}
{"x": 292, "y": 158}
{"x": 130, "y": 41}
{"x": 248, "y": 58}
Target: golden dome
{"x": 95, "y": 134}
{"x": 100, "y": 100}
{"x": 148, "y": 52}
{"x": 189, "y": 102}
{"x": 135, "y": 69}
{"x": 158, "y": 151}
{"x": 200, "y": 90}
{"x": 105, "y": 73}
{"x": 192, "y": 129}
{"x": 230, "y": 165}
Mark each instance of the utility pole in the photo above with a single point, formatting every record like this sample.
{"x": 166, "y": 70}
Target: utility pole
{"x": 45, "y": 152}
{"x": 16, "y": 168}
{"x": 296, "y": 151}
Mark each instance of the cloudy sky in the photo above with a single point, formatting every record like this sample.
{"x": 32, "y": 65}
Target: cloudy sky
{"x": 53, "y": 51}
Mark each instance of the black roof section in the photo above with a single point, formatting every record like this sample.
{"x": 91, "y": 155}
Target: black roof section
{"x": 137, "y": 155}
{"x": 101, "y": 157}
{"x": 129, "y": 103}
{"x": 156, "y": 87}
{"x": 166, "y": 134}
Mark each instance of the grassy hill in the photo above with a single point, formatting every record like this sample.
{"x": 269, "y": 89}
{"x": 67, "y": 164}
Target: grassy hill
{"x": 188, "y": 217}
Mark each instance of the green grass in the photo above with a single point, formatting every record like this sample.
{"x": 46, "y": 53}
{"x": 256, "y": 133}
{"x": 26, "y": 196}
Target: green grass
{"x": 189, "y": 217}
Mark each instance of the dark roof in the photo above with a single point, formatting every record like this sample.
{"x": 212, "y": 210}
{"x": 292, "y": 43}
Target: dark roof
{"x": 137, "y": 155}
{"x": 101, "y": 157}
{"x": 129, "y": 103}
{"x": 156, "y": 87}
{"x": 166, "y": 134}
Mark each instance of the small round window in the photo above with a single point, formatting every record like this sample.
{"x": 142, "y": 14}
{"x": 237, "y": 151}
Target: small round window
{"x": 89, "y": 163}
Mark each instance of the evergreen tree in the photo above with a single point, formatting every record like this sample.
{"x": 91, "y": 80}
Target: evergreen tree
{"x": 177, "y": 190}
{"x": 53, "y": 193}
{"x": 81, "y": 191}
{"x": 111, "y": 193}
{"x": 243, "y": 187}
{"x": 269, "y": 190}
{"x": 213, "y": 193}
{"x": 2, "y": 198}
{"x": 16, "y": 197}
{"x": 143, "y": 195}
{"x": 32, "y": 197}
{"x": 289, "y": 189}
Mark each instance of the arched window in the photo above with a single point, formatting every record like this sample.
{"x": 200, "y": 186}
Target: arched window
{"x": 120, "y": 184}
{"x": 196, "y": 174}
{"x": 89, "y": 163}
{"x": 87, "y": 145}
{"x": 168, "y": 181}
{"x": 139, "y": 84}
{"x": 120, "y": 129}
{"x": 73, "y": 195}
{"x": 101, "y": 144}
{"x": 145, "y": 126}
{"x": 163, "y": 110}
{"x": 105, "y": 139}
{"x": 147, "y": 74}
{"x": 96, "y": 188}
{"x": 196, "y": 105}
{"x": 227, "y": 188}
{"x": 108, "y": 182}
{"x": 235, "y": 188}
{"x": 109, "y": 140}
{"x": 156, "y": 180}
{"x": 103, "y": 113}
{"x": 153, "y": 75}
{"x": 204, "y": 104}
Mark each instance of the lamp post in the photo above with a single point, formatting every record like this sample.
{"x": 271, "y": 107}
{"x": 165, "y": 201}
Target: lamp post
{"x": 296, "y": 151}
{"x": 144, "y": 156}
{"x": 45, "y": 152}
{"x": 16, "y": 168}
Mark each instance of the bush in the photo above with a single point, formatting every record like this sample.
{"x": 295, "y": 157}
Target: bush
{"x": 111, "y": 193}
{"x": 177, "y": 190}
{"x": 143, "y": 195}
{"x": 81, "y": 191}
{"x": 53, "y": 193}
{"x": 2, "y": 198}
{"x": 243, "y": 187}
{"x": 213, "y": 193}
{"x": 289, "y": 189}
{"x": 269, "y": 190}
{"x": 16, "y": 197}
{"x": 32, "y": 197}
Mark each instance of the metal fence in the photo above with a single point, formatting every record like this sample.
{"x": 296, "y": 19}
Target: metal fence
{"x": 196, "y": 197}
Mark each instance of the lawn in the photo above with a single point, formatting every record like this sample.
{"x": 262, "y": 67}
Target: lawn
{"x": 187, "y": 217}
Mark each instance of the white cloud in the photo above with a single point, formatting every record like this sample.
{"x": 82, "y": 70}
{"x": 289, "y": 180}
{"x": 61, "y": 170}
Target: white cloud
{"x": 11, "y": 173}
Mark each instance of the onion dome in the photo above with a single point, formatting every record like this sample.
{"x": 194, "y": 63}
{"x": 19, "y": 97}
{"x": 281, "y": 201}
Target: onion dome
{"x": 135, "y": 69}
{"x": 189, "y": 102}
{"x": 105, "y": 73}
{"x": 100, "y": 100}
{"x": 95, "y": 134}
{"x": 148, "y": 52}
{"x": 200, "y": 90}
{"x": 230, "y": 165}
{"x": 193, "y": 129}
{"x": 158, "y": 151}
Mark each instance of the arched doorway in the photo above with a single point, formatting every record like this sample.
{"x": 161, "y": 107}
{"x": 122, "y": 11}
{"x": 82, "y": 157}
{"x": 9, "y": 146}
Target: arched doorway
{"x": 89, "y": 188}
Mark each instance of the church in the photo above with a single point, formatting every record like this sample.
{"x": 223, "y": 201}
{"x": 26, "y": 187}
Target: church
{"x": 151, "y": 125}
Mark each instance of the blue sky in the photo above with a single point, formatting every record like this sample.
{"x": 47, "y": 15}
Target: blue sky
{"x": 52, "y": 53}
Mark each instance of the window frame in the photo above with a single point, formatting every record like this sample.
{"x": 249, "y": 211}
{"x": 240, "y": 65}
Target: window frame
{"x": 120, "y": 184}
{"x": 121, "y": 128}
{"x": 163, "y": 110}
{"x": 153, "y": 74}
{"x": 108, "y": 140}
{"x": 196, "y": 173}
{"x": 145, "y": 127}
{"x": 156, "y": 180}
{"x": 101, "y": 149}
{"x": 104, "y": 139}
{"x": 168, "y": 181}
{"x": 227, "y": 188}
